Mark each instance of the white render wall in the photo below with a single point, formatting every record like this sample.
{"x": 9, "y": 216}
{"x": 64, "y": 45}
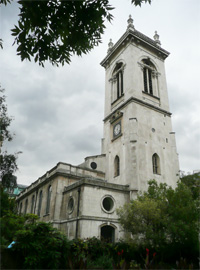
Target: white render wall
{"x": 98, "y": 159}
{"x": 92, "y": 199}
{"x": 137, "y": 145}
{"x": 95, "y": 215}
{"x": 92, "y": 215}
{"x": 89, "y": 228}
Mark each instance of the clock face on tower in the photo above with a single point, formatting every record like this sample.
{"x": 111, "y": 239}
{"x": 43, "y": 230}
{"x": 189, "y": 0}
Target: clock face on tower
{"x": 117, "y": 129}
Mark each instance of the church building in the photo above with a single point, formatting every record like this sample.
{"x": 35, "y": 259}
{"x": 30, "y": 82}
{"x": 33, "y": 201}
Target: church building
{"x": 138, "y": 145}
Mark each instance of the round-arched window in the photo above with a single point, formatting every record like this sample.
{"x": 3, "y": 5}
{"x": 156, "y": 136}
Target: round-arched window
{"x": 108, "y": 204}
{"x": 149, "y": 77}
{"x": 70, "y": 205}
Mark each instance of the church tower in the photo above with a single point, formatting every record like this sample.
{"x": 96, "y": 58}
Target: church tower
{"x": 138, "y": 142}
{"x": 138, "y": 145}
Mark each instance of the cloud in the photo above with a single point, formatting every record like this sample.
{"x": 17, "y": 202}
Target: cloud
{"x": 58, "y": 111}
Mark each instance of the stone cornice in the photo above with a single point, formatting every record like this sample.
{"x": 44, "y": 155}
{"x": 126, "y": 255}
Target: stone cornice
{"x": 83, "y": 217}
{"x": 138, "y": 37}
{"x": 138, "y": 101}
{"x": 95, "y": 156}
{"x": 61, "y": 169}
{"x": 97, "y": 183}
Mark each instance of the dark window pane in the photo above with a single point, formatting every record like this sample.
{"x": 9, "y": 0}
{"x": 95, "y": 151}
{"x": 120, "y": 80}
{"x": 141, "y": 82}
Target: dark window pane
{"x": 150, "y": 82}
{"x": 145, "y": 80}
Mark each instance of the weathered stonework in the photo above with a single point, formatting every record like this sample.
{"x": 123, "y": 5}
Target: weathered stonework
{"x": 138, "y": 145}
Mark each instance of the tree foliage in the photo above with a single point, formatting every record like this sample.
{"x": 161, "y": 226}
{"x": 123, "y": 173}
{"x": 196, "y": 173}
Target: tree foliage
{"x": 4, "y": 120}
{"x": 10, "y": 221}
{"x": 163, "y": 217}
{"x": 144, "y": 217}
{"x": 140, "y": 2}
{"x": 183, "y": 216}
{"x": 55, "y": 30}
{"x": 5, "y": 2}
{"x": 192, "y": 181}
{"x": 1, "y": 43}
{"x": 8, "y": 163}
{"x": 40, "y": 246}
{"x": 7, "y": 205}
{"x": 145, "y": 221}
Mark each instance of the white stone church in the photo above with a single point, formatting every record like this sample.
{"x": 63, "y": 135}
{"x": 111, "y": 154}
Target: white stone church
{"x": 138, "y": 145}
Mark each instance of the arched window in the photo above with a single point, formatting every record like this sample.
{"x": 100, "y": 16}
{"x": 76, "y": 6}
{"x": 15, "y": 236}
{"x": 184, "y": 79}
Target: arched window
{"x": 26, "y": 206}
{"x": 70, "y": 205}
{"x": 108, "y": 233}
{"x": 48, "y": 199}
{"x": 117, "y": 79}
{"x": 116, "y": 166}
{"x": 149, "y": 72}
{"x": 32, "y": 204}
{"x": 39, "y": 203}
{"x": 156, "y": 164}
{"x": 20, "y": 208}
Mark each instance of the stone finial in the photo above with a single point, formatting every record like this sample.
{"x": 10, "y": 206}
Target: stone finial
{"x": 130, "y": 23}
{"x": 156, "y": 38}
{"x": 110, "y": 45}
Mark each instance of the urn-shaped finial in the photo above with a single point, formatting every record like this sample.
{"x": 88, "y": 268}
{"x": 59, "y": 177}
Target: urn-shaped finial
{"x": 156, "y": 38}
{"x": 110, "y": 45}
{"x": 130, "y": 23}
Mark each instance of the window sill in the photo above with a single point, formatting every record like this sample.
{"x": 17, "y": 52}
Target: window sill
{"x": 46, "y": 215}
{"x": 150, "y": 95}
{"x": 117, "y": 99}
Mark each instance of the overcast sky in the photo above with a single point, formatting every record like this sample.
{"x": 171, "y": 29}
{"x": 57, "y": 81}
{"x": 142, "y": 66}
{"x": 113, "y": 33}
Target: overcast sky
{"x": 58, "y": 112}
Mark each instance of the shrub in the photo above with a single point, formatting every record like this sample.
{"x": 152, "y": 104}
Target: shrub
{"x": 40, "y": 246}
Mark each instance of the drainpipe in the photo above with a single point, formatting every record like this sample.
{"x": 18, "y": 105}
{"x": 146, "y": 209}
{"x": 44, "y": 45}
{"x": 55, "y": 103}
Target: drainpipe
{"x": 78, "y": 206}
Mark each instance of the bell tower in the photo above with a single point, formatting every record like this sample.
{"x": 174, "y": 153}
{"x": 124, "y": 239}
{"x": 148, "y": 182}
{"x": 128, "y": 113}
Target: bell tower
{"x": 138, "y": 142}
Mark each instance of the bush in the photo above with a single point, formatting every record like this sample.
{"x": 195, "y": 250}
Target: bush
{"x": 89, "y": 253}
{"x": 102, "y": 262}
{"x": 40, "y": 246}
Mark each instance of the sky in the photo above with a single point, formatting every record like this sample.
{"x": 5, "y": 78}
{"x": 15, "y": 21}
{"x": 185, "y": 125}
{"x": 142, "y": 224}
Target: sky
{"x": 58, "y": 111}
